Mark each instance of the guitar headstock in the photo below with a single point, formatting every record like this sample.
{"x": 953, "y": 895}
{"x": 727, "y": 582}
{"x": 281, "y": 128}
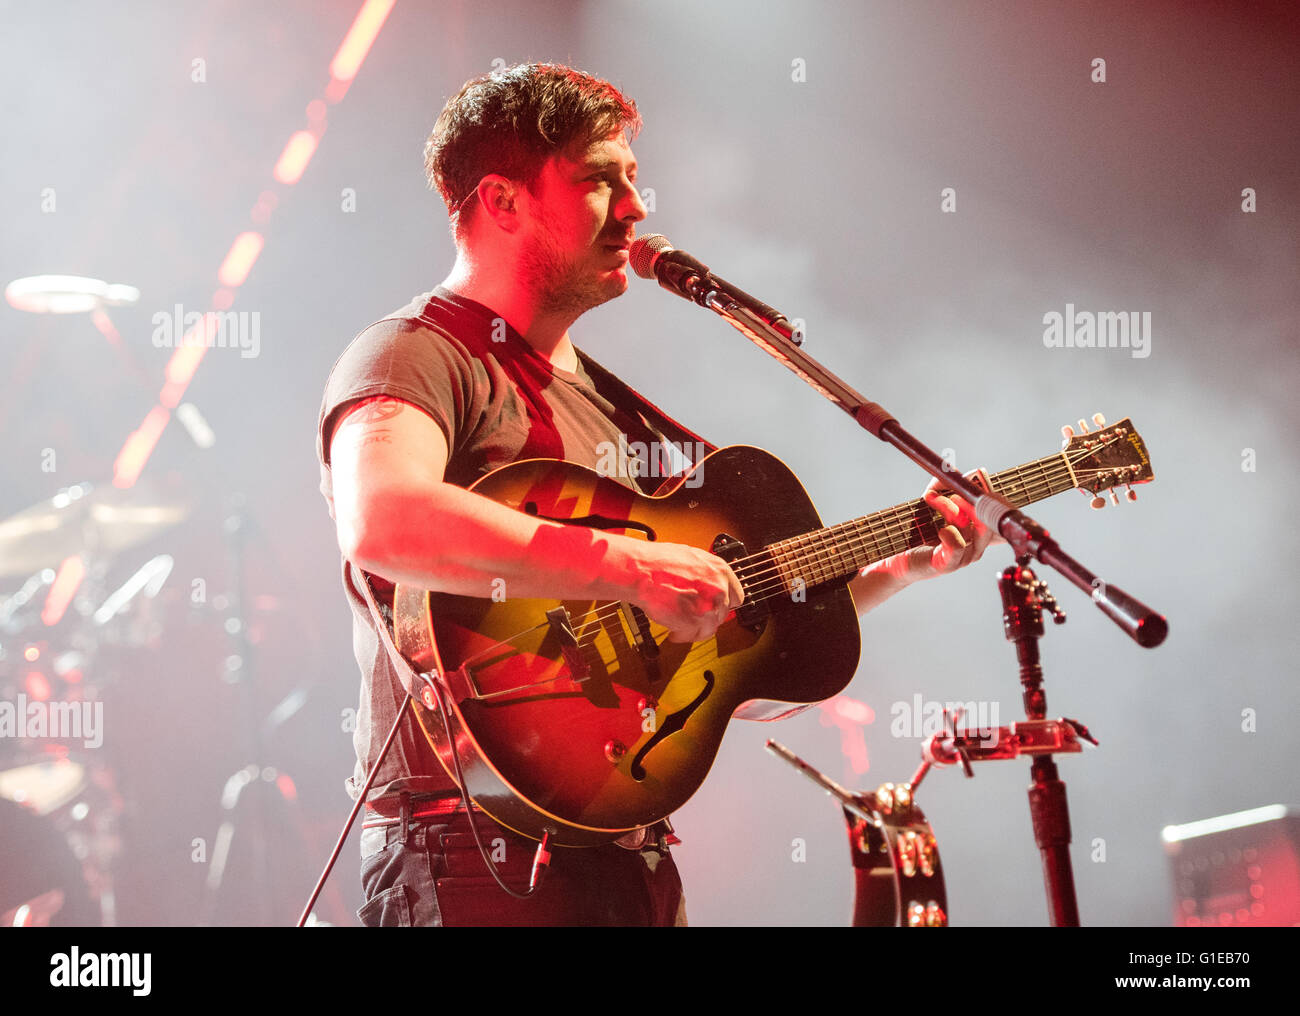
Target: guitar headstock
{"x": 1107, "y": 458}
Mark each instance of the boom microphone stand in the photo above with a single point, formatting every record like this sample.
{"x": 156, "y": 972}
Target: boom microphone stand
{"x": 653, "y": 257}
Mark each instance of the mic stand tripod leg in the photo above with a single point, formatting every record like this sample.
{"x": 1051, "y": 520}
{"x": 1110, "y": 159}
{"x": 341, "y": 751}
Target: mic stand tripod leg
{"x": 1051, "y": 817}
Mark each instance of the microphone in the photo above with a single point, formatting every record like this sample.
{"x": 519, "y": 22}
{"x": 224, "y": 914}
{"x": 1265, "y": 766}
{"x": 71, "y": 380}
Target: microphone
{"x": 653, "y": 257}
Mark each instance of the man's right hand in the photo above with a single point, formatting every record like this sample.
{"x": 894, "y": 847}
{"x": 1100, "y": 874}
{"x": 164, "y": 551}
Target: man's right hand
{"x": 689, "y": 591}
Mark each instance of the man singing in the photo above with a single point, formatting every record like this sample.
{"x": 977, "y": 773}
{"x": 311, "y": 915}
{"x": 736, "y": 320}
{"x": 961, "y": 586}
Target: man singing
{"x": 535, "y": 165}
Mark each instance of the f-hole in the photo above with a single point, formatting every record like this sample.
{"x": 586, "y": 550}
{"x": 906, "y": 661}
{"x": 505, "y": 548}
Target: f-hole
{"x": 591, "y": 521}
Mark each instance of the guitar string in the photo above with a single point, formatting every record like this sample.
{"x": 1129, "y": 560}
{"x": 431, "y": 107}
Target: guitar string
{"x": 863, "y": 533}
{"x": 905, "y": 514}
{"x": 768, "y": 588}
{"x": 902, "y": 525}
{"x": 897, "y": 521}
{"x": 695, "y": 649}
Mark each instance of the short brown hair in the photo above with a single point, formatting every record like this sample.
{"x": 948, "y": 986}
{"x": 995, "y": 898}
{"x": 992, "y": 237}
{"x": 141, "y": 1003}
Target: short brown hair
{"x": 512, "y": 120}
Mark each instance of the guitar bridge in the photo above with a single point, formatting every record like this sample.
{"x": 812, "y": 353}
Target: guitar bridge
{"x": 562, "y": 629}
{"x": 639, "y": 625}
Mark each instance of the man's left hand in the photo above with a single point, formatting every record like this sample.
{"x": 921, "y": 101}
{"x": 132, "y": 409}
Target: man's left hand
{"x": 961, "y": 542}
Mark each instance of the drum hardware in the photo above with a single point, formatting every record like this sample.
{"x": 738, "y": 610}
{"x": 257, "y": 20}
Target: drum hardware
{"x": 1023, "y": 597}
{"x": 898, "y": 878}
{"x": 255, "y": 809}
{"x": 59, "y": 829}
{"x": 888, "y": 835}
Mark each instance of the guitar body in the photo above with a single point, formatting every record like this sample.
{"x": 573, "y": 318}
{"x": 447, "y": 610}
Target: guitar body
{"x": 587, "y": 722}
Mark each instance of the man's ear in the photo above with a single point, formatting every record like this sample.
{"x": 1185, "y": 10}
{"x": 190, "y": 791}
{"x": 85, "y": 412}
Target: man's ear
{"x": 496, "y": 198}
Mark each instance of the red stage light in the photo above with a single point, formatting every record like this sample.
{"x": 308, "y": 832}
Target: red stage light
{"x": 298, "y": 151}
{"x": 65, "y": 584}
{"x": 37, "y": 686}
{"x": 361, "y": 36}
{"x": 135, "y": 453}
{"x": 243, "y": 253}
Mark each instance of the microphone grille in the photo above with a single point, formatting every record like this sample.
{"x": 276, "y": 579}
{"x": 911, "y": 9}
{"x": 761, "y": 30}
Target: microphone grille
{"x": 645, "y": 251}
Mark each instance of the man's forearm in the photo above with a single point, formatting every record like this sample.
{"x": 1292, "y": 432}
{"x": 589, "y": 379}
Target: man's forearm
{"x": 873, "y": 587}
{"x": 459, "y": 542}
{"x": 454, "y": 541}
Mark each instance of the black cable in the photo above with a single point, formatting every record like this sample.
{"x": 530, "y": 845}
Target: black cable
{"x": 469, "y": 809}
{"x": 465, "y": 799}
{"x": 360, "y": 802}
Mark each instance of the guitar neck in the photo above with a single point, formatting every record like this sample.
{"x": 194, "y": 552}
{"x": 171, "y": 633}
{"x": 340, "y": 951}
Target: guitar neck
{"x": 824, "y": 555}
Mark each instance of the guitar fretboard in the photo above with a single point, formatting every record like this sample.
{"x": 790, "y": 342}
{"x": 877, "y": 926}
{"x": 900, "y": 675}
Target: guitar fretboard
{"x": 824, "y": 555}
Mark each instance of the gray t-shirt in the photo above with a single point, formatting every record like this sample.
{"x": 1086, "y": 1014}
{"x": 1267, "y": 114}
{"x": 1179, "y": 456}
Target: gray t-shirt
{"x": 497, "y": 400}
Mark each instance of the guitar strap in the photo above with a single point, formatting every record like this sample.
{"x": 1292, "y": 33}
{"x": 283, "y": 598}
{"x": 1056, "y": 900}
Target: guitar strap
{"x": 413, "y": 684}
{"x": 630, "y": 400}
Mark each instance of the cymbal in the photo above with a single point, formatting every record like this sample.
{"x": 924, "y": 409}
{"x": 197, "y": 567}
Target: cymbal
{"x": 97, "y": 521}
{"x": 67, "y": 294}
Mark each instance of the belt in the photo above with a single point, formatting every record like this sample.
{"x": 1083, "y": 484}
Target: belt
{"x": 388, "y": 810}
{"x": 390, "y": 819}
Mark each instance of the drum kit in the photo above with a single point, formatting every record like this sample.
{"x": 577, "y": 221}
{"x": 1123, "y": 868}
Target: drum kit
{"x": 64, "y": 612}
{"x": 59, "y": 798}
{"x": 60, "y": 808}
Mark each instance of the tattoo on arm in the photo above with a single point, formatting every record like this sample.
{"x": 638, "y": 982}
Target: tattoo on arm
{"x": 373, "y": 410}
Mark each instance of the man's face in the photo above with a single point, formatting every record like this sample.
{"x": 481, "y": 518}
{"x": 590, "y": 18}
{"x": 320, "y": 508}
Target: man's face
{"x": 582, "y": 214}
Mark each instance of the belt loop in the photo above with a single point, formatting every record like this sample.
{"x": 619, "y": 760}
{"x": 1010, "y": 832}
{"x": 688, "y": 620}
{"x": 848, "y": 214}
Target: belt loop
{"x": 405, "y": 828}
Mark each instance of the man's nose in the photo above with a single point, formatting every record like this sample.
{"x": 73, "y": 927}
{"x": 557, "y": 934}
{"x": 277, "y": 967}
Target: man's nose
{"x": 632, "y": 207}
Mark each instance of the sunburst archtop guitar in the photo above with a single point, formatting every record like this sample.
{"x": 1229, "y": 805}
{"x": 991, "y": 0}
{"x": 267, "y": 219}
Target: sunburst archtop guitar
{"x": 579, "y": 719}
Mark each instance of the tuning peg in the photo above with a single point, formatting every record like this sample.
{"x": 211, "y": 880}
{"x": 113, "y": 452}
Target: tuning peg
{"x": 1098, "y": 502}
{"x": 1067, "y": 432}
{"x": 1099, "y": 420}
{"x": 1083, "y": 426}
{"x": 1114, "y": 498}
{"x": 1130, "y": 493}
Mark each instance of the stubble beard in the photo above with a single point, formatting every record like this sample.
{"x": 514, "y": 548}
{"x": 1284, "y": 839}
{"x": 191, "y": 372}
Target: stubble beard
{"x": 562, "y": 284}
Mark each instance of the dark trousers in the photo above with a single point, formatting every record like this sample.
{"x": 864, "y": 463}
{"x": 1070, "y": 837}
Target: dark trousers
{"x": 437, "y": 878}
